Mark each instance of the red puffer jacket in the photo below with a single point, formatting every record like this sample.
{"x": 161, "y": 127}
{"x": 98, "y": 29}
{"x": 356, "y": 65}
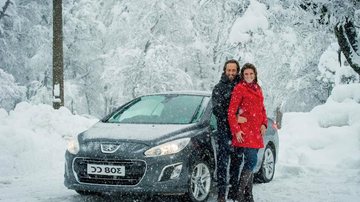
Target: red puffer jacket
{"x": 248, "y": 101}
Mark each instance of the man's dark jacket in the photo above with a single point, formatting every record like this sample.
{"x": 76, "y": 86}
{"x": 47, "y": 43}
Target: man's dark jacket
{"x": 220, "y": 100}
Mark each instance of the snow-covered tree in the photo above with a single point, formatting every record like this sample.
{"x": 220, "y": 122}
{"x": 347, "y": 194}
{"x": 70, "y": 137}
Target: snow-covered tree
{"x": 343, "y": 16}
{"x": 117, "y": 50}
{"x": 278, "y": 37}
{"x": 25, "y": 42}
{"x": 10, "y": 92}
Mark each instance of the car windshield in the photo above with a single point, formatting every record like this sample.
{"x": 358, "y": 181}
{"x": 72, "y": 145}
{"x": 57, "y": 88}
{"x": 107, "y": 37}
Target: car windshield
{"x": 162, "y": 109}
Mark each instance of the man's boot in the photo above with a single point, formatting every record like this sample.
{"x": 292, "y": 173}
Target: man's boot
{"x": 244, "y": 179}
{"x": 234, "y": 187}
{"x": 248, "y": 189}
{"x": 221, "y": 198}
{"x": 232, "y": 194}
{"x": 222, "y": 194}
{"x": 235, "y": 165}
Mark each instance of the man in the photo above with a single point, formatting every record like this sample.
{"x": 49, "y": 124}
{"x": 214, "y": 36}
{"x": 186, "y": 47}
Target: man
{"x": 221, "y": 99}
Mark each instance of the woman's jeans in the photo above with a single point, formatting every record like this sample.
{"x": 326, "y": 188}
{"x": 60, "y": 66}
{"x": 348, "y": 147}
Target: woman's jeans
{"x": 227, "y": 154}
{"x": 250, "y": 157}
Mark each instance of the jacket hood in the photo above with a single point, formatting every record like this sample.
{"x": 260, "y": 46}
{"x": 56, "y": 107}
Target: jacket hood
{"x": 254, "y": 86}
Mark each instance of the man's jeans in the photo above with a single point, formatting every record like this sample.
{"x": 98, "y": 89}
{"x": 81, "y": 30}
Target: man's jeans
{"x": 225, "y": 151}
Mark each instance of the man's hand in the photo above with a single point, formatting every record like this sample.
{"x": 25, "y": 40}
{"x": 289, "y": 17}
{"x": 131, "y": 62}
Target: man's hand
{"x": 239, "y": 136}
{"x": 241, "y": 119}
{"x": 263, "y": 130}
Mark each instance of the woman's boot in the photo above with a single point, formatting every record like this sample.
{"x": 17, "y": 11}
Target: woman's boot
{"x": 244, "y": 180}
{"x": 248, "y": 189}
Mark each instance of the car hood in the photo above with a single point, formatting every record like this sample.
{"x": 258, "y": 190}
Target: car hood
{"x": 138, "y": 132}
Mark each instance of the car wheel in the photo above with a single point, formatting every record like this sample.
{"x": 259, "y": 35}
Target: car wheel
{"x": 267, "y": 170}
{"x": 200, "y": 182}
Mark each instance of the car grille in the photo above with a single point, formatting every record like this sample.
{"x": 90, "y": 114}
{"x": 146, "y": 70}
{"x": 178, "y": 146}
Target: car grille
{"x": 135, "y": 170}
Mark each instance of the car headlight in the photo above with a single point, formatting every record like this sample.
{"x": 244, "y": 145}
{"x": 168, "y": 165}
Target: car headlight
{"x": 168, "y": 148}
{"x": 73, "y": 145}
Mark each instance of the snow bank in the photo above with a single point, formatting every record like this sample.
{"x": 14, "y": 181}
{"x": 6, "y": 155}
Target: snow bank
{"x": 33, "y": 138}
{"x": 327, "y": 137}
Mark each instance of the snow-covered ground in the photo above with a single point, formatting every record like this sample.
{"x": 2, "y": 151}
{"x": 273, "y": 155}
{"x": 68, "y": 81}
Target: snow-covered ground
{"x": 319, "y": 153}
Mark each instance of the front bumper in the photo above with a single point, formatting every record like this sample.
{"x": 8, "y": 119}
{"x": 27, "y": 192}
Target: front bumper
{"x": 150, "y": 175}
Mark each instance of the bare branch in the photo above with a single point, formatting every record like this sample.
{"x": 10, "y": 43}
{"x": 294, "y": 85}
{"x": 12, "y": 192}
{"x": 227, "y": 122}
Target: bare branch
{"x": 2, "y": 13}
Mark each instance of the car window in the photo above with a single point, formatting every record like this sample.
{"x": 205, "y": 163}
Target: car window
{"x": 202, "y": 109}
{"x": 167, "y": 109}
{"x": 149, "y": 106}
{"x": 213, "y": 123}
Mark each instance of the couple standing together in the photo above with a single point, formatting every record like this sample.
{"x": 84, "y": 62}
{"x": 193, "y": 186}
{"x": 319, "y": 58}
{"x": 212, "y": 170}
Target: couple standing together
{"x": 238, "y": 105}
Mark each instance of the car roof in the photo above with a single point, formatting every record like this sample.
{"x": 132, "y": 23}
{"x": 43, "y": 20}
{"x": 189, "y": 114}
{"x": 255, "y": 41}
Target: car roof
{"x": 190, "y": 92}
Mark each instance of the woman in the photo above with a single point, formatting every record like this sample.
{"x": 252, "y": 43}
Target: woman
{"x": 247, "y": 101}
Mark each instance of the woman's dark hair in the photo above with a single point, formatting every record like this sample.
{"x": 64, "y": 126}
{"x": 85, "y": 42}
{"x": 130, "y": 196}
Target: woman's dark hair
{"x": 248, "y": 66}
{"x": 232, "y": 61}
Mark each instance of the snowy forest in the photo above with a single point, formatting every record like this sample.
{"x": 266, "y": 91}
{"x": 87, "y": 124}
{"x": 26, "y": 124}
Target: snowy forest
{"x": 115, "y": 50}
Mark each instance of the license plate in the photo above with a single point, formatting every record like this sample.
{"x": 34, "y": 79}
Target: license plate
{"x": 96, "y": 169}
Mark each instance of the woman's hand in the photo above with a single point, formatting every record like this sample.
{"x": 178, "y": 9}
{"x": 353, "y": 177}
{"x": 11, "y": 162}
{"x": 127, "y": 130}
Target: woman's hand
{"x": 239, "y": 136}
{"x": 263, "y": 130}
{"x": 241, "y": 119}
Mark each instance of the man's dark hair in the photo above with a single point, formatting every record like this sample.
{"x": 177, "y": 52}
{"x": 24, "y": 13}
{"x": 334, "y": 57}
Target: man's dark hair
{"x": 248, "y": 66}
{"x": 232, "y": 61}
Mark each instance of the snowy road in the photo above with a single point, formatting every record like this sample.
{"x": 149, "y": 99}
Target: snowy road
{"x": 293, "y": 184}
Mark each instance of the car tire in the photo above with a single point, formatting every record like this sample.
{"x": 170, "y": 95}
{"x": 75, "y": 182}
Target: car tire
{"x": 267, "y": 170}
{"x": 200, "y": 182}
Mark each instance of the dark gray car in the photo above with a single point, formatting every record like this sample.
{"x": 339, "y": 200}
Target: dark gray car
{"x": 155, "y": 144}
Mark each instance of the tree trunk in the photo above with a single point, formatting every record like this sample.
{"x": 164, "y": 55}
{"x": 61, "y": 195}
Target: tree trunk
{"x": 88, "y": 103}
{"x": 58, "y": 63}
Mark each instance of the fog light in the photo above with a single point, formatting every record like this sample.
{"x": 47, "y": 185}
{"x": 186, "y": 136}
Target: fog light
{"x": 170, "y": 172}
{"x": 176, "y": 172}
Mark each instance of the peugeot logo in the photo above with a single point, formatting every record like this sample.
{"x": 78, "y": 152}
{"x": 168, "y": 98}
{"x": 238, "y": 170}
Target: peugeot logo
{"x": 109, "y": 148}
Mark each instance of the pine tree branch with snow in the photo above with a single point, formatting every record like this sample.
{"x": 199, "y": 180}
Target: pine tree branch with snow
{"x": 348, "y": 41}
